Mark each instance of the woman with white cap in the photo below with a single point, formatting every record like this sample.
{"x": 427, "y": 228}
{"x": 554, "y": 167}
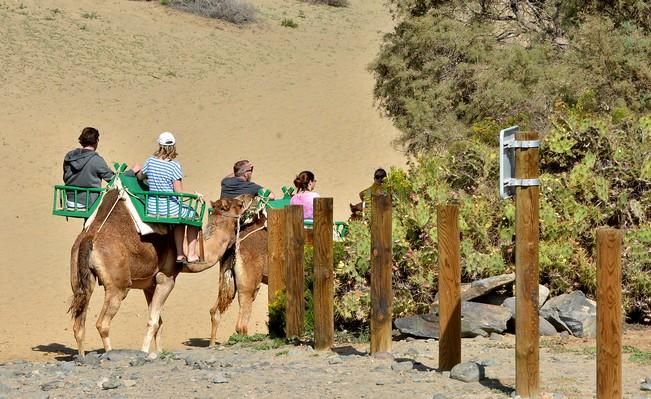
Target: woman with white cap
{"x": 163, "y": 173}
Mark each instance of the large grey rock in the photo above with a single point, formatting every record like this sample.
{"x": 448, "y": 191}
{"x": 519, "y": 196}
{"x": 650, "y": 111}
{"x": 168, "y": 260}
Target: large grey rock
{"x": 545, "y": 328}
{"x": 467, "y": 372}
{"x": 577, "y": 312}
{"x": 551, "y": 315}
{"x": 543, "y": 294}
{"x": 476, "y": 319}
{"x": 117, "y": 355}
{"x": 201, "y": 359}
{"x": 470, "y": 291}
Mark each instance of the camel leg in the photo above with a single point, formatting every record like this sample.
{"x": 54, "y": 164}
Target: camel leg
{"x": 149, "y": 295}
{"x": 164, "y": 285}
{"x": 245, "y": 298}
{"x": 215, "y": 317}
{"x": 112, "y": 299}
{"x": 79, "y": 326}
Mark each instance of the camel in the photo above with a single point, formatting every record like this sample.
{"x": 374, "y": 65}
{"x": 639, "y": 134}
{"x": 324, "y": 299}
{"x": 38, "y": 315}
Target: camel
{"x": 242, "y": 276}
{"x": 112, "y": 252}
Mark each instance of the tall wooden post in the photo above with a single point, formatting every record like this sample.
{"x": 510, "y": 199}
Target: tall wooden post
{"x": 449, "y": 286}
{"x": 609, "y": 314}
{"x": 276, "y": 252}
{"x": 526, "y": 271}
{"x": 381, "y": 262}
{"x": 295, "y": 278}
{"x": 324, "y": 325}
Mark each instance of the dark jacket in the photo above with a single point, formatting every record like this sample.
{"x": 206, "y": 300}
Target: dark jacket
{"x": 85, "y": 168}
{"x": 234, "y": 186}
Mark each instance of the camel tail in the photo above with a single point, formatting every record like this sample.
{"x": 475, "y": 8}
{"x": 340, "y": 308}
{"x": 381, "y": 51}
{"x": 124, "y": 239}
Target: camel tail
{"x": 85, "y": 278}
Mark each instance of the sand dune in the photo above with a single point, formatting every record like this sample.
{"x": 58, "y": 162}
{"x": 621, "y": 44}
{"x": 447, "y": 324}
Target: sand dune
{"x": 287, "y": 99}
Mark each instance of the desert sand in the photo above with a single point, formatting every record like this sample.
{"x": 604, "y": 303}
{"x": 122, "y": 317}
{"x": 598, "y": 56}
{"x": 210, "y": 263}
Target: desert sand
{"x": 287, "y": 99}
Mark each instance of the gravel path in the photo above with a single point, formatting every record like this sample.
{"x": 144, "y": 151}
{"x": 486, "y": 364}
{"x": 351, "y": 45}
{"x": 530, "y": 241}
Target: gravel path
{"x": 253, "y": 370}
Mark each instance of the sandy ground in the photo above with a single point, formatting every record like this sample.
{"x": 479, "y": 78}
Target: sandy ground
{"x": 287, "y": 99}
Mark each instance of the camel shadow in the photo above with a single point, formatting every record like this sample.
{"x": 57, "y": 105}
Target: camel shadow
{"x": 197, "y": 342}
{"x": 64, "y": 353}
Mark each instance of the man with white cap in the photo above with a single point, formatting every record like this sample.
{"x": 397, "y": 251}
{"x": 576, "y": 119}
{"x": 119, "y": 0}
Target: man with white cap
{"x": 164, "y": 174}
{"x": 239, "y": 182}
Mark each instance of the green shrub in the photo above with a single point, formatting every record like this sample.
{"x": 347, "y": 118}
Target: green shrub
{"x": 288, "y": 23}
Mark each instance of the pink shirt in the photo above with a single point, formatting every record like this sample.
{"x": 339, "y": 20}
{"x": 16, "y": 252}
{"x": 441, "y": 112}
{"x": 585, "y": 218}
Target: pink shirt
{"x": 306, "y": 199}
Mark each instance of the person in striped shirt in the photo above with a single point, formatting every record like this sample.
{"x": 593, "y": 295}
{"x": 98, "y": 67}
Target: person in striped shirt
{"x": 164, "y": 174}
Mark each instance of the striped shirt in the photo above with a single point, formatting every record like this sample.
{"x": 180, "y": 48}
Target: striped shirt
{"x": 161, "y": 175}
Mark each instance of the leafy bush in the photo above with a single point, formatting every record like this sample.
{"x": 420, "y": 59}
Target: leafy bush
{"x": 235, "y": 11}
{"x": 590, "y": 178}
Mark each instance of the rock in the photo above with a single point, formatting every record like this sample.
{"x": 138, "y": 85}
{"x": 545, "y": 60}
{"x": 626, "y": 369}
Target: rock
{"x": 66, "y": 366}
{"x": 496, "y": 337}
{"x": 129, "y": 383}
{"x": 551, "y": 315}
{"x": 219, "y": 378}
{"x": 111, "y": 383}
{"x": 117, "y": 355}
{"x": 91, "y": 359}
{"x": 335, "y": 359}
{"x": 545, "y": 328}
{"x": 383, "y": 355}
{"x": 476, "y": 319}
{"x": 479, "y": 288}
{"x": 543, "y": 294}
{"x": 48, "y": 386}
{"x": 480, "y": 317}
{"x": 645, "y": 386}
{"x": 137, "y": 362}
{"x": 577, "y": 312}
{"x": 467, "y": 372}
{"x": 488, "y": 362}
{"x": 200, "y": 359}
{"x": 402, "y": 366}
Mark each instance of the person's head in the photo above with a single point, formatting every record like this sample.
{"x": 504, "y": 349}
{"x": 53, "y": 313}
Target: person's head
{"x": 305, "y": 181}
{"x": 166, "y": 147}
{"x": 243, "y": 169}
{"x": 89, "y": 137}
{"x": 379, "y": 175}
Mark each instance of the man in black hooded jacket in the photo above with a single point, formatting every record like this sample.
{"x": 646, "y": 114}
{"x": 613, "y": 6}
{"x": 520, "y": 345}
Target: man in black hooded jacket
{"x": 84, "y": 167}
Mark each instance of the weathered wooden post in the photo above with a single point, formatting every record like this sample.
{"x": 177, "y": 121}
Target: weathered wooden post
{"x": 381, "y": 262}
{"x": 609, "y": 314}
{"x": 324, "y": 325}
{"x": 526, "y": 268}
{"x": 295, "y": 278}
{"x": 276, "y": 252}
{"x": 449, "y": 286}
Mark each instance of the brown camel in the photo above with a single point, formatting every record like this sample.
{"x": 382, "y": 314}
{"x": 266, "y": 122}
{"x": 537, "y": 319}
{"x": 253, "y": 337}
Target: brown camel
{"x": 242, "y": 277}
{"x": 114, "y": 253}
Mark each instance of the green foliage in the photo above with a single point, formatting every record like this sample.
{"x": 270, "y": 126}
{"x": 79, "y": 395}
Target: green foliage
{"x": 235, "y": 11}
{"x": 637, "y": 355}
{"x": 456, "y": 70}
{"x": 289, "y": 23}
{"x": 256, "y": 341}
{"x": 591, "y": 176}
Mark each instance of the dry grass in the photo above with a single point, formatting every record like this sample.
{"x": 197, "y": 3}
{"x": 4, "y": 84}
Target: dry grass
{"x": 235, "y": 11}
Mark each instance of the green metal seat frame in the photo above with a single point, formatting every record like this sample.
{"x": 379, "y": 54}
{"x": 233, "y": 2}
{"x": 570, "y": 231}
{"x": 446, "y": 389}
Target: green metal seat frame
{"x": 340, "y": 228}
{"x": 139, "y": 194}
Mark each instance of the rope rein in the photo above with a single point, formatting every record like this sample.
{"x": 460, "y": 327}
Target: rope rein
{"x": 110, "y": 211}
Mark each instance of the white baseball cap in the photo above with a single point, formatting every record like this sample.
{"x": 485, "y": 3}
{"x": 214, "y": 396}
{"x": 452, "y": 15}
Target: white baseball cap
{"x": 166, "y": 138}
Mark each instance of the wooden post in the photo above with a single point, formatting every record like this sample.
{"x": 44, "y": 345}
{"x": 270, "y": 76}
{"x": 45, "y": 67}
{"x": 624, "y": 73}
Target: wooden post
{"x": 324, "y": 324}
{"x": 276, "y": 252}
{"x": 609, "y": 314}
{"x": 381, "y": 263}
{"x": 449, "y": 286}
{"x": 526, "y": 272}
{"x": 295, "y": 278}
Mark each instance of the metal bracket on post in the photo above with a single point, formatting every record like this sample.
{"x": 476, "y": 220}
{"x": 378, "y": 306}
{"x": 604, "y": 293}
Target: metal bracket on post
{"x": 508, "y": 144}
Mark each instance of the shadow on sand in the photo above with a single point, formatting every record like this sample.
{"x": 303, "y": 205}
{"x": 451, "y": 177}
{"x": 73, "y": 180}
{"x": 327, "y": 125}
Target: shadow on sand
{"x": 62, "y": 352}
{"x": 197, "y": 342}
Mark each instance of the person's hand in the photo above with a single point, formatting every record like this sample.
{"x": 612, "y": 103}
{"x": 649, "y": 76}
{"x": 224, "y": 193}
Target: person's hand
{"x": 136, "y": 167}
{"x": 200, "y": 196}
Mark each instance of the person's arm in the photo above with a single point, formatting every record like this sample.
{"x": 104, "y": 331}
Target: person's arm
{"x": 102, "y": 169}
{"x": 178, "y": 186}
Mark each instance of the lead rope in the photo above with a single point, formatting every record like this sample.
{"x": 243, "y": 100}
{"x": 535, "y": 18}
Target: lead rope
{"x": 238, "y": 258}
